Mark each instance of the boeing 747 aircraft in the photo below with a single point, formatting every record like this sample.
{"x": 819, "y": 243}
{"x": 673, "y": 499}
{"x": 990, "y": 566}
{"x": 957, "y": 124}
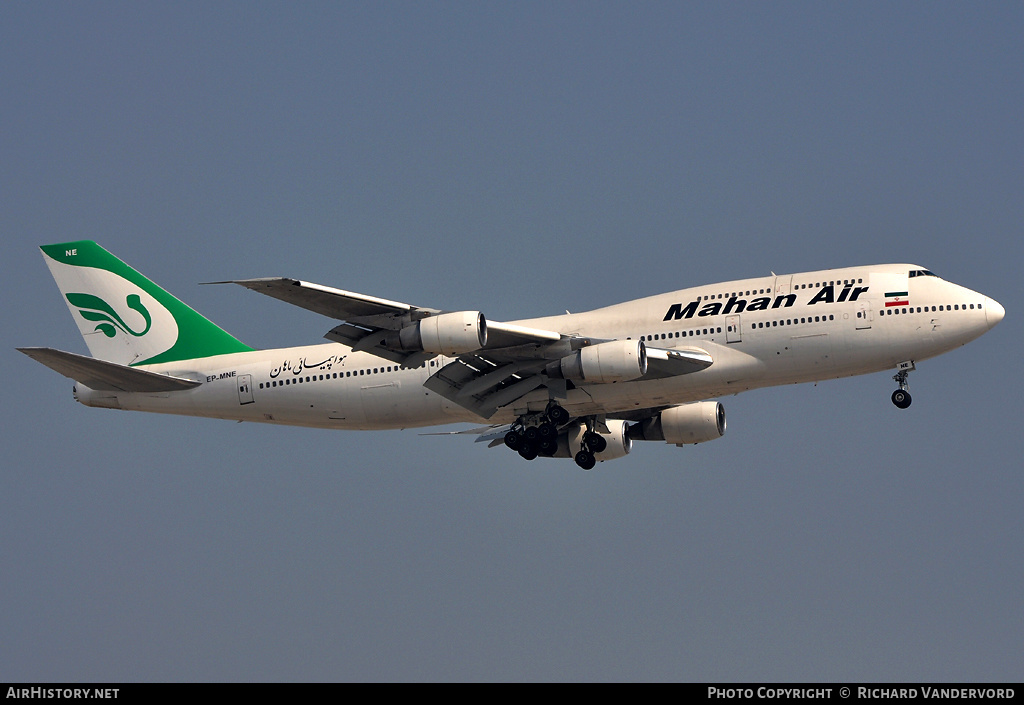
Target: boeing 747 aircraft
{"x": 583, "y": 385}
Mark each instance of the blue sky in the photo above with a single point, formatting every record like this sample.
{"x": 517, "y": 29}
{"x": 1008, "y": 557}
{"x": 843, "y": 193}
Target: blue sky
{"x": 521, "y": 159}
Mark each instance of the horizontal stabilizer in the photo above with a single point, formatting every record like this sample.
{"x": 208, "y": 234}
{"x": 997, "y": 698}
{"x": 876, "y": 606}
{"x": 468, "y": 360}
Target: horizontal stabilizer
{"x": 484, "y": 433}
{"x": 106, "y": 376}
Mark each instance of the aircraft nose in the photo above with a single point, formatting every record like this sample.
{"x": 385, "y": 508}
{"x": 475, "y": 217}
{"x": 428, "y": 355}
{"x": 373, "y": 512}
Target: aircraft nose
{"x": 993, "y": 312}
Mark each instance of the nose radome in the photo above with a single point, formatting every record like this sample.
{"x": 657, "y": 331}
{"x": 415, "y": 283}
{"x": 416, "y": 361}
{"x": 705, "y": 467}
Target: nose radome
{"x": 993, "y": 312}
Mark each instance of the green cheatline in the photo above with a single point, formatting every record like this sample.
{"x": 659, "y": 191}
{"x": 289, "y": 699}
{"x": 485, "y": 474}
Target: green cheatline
{"x": 197, "y": 335}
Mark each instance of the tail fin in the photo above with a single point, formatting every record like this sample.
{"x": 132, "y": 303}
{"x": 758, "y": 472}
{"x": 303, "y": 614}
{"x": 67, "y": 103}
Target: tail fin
{"x": 126, "y": 318}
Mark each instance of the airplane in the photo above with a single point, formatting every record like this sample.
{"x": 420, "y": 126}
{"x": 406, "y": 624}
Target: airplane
{"x": 579, "y": 385}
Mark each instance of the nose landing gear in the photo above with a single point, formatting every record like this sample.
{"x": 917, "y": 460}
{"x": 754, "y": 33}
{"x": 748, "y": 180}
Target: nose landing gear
{"x": 901, "y": 397}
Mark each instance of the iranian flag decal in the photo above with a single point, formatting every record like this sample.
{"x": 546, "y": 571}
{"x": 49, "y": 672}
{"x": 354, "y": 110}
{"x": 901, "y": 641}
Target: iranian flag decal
{"x": 897, "y": 298}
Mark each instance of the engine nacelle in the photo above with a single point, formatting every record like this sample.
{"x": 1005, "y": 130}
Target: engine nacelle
{"x": 693, "y": 423}
{"x": 619, "y": 443}
{"x": 689, "y": 423}
{"x": 614, "y": 361}
{"x": 446, "y": 334}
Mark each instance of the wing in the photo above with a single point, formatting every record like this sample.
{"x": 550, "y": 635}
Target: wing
{"x": 485, "y": 381}
{"x": 494, "y": 363}
{"x": 367, "y": 321}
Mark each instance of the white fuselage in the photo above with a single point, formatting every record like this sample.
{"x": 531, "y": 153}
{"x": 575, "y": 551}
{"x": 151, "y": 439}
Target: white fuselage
{"x": 760, "y": 332}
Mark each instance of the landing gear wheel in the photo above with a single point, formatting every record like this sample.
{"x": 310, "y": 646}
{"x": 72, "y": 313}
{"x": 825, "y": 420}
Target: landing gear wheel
{"x": 901, "y": 398}
{"x": 528, "y": 451}
{"x": 513, "y": 440}
{"x": 547, "y": 447}
{"x": 585, "y": 459}
{"x": 532, "y": 433}
{"x": 558, "y": 415}
{"x": 595, "y": 442}
{"x": 547, "y": 430}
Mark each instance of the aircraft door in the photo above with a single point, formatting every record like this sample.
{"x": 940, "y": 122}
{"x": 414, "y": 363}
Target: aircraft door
{"x": 733, "y": 329}
{"x": 380, "y": 403}
{"x": 863, "y": 319}
{"x": 245, "y": 389}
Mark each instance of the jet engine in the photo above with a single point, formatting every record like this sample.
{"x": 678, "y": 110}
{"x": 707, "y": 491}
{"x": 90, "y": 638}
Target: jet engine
{"x": 446, "y": 334}
{"x": 614, "y": 361}
{"x": 689, "y": 423}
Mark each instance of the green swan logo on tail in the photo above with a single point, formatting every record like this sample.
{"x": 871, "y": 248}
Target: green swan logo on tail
{"x": 93, "y": 308}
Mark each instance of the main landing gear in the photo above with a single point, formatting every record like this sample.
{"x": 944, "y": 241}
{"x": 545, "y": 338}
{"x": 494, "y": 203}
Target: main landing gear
{"x": 534, "y": 435}
{"x": 592, "y": 444}
{"x": 537, "y": 434}
{"x": 901, "y": 397}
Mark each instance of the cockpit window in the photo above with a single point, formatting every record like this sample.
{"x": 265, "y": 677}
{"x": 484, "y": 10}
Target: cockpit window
{"x": 921, "y": 273}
